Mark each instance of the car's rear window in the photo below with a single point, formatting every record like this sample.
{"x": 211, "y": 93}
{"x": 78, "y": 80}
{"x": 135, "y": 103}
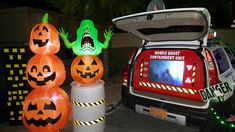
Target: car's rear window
{"x": 230, "y": 56}
{"x": 171, "y": 29}
{"x": 221, "y": 60}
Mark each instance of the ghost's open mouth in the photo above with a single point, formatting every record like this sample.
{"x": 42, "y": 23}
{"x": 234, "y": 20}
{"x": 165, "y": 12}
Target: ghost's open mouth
{"x": 87, "y": 41}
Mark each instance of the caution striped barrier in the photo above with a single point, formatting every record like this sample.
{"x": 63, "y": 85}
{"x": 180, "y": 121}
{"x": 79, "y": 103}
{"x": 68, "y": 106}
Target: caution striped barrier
{"x": 88, "y": 104}
{"x": 88, "y": 107}
{"x": 169, "y": 88}
{"x": 88, "y": 123}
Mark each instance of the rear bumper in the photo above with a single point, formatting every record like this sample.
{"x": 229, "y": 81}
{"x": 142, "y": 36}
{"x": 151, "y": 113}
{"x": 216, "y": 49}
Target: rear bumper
{"x": 193, "y": 116}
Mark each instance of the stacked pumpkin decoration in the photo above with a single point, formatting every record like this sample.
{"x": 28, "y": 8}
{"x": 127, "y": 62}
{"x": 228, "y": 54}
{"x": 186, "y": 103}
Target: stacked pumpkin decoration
{"x": 87, "y": 89}
{"x": 47, "y": 107}
{"x": 86, "y": 68}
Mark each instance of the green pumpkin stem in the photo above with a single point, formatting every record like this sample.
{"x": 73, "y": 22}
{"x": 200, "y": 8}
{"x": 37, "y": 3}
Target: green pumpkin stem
{"x": 45, "y": 18}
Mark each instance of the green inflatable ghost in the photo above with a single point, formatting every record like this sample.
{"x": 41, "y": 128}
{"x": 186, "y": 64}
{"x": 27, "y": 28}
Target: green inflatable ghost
{"x": 86, "y": 42}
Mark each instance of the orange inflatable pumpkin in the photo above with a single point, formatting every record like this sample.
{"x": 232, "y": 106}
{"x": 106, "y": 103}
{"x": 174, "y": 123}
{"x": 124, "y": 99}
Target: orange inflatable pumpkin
{"x": 44, "y": 38}
{"x": 45, "y": 71}
{"x": 87, "y": 69}
{"x": 46, "y": 110}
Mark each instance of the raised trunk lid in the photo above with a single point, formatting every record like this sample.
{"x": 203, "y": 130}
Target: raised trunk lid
{"x": 184, "y": 24}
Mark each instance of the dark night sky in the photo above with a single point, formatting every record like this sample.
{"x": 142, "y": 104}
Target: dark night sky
{"x": 222, "y": 15}
{"x": 31, "y": 3}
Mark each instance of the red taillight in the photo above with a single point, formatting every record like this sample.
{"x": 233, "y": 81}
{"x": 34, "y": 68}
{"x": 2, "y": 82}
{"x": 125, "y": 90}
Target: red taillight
{"x": 125, "y": 75}
{"x": 126, "y": 70}
{"x": 212, "y": 68}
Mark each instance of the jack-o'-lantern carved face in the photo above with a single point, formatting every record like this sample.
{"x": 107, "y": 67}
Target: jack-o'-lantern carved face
{"x": 87, "y": 69}
{"x": 44, "y": 38}
{"x": 45, "y": 71}
{"x": 46, "y": 110}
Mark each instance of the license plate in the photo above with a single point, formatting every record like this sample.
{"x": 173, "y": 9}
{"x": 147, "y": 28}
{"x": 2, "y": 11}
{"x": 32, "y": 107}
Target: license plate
{"x": 158, "y": 112}
{"x": 161, "y": 114}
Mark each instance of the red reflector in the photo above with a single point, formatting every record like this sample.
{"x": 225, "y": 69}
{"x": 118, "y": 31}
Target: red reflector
{"x": 212, "y": 68}
{"x": 126, "y": 70}
{"x": 125, "y": 75}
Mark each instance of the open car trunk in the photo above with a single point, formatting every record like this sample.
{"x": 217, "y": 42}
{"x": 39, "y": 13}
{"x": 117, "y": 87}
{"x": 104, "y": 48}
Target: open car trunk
{"x": 173, "y": 72}
{"x": 188, "y": 24}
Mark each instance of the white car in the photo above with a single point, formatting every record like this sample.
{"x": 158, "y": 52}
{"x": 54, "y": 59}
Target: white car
{"x": 180, "y": 72}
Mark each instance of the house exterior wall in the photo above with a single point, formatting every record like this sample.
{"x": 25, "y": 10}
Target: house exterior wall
{"x": 16, "y": 24}
{"x": 227, "y": 35}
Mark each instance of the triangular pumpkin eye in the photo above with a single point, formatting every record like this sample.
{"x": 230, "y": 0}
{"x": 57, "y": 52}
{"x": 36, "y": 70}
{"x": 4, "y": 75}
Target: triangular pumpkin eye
{"x": 46, "y": 68}
{"x": 44, "y": 28}
{"x": 33, "y": 69}
{"x": 32, "y": 107}
{"x": 36, "y": 29}
{"x": 50, "y": 106}
{"x": 81, "y": 62}
{"x": 94, "y": 62}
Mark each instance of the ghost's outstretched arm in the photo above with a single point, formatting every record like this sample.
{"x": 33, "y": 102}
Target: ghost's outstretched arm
{"x": 64, "y": 36}
{"x": 107, "y": 35}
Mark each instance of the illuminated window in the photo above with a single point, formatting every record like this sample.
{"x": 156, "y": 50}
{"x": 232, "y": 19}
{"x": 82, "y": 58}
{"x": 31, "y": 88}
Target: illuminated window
{"x": 230, "y": 56}
{"x": 221, "y": 60}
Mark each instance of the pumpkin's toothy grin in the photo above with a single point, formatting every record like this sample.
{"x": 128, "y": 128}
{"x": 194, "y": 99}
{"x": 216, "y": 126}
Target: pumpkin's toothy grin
{"x": 41, "y": 122}
{"x": 87, "y": 74}
{"x": 40, "y": 43}
{"x": 46, "y": 79}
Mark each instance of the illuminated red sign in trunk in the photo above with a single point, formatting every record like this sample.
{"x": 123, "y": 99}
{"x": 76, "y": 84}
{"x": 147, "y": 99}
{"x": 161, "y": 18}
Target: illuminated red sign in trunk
{"x": 178, "y": 73}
